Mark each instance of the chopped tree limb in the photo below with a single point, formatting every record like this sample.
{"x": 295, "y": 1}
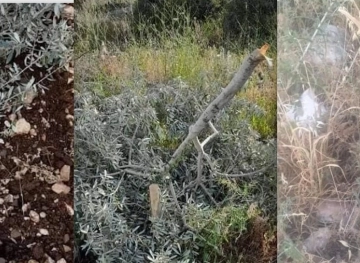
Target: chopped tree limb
{"x": 236, "y": 84}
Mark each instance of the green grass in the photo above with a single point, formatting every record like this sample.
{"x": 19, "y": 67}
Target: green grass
{"x": 266, "y": 124}
{"x": 217, "y": 227}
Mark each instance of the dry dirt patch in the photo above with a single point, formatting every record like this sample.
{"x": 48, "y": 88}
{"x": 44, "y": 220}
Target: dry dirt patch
{"x": 257, "y": 244}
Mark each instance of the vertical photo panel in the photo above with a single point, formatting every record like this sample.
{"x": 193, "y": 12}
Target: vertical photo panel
{"x": 36, "y": 132}
{"x": 318, "y": 131}
{"x": 175, "y": 131}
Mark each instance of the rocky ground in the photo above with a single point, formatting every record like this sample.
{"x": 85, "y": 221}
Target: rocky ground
{"x": 36, "y": 182}
{"x": 36, "y": 161}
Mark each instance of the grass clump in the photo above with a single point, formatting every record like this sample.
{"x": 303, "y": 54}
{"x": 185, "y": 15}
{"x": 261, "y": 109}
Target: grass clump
{"x": 224, "y": 234}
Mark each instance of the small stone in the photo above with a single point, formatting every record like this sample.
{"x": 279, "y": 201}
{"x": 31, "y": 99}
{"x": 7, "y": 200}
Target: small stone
{"x": 69, "y": 209}
{"x": 45, "y": 122}
{"x": 15, "y": 234}
{"x": 33, "y": 261}
{"x": 66, "y": 248}
{"x": 66, "y": 238}
{"x": 49, "y": 259}
{"x": 60, "y": 188}
{"x": 2, "y": 260}
{"x": 68, "y": 12}
{"x": 69, "y": 117}
{"x": 9, "y": 198}
{"x": 33, "y": 132}
{"x": 22, "y": 127}
{"x": 62, "y": 260}
{"x": 65, "y": 173}
{"x": 34, "y": 216}
{"x": 44, "y": 231}
{"x": 42, "y": 214}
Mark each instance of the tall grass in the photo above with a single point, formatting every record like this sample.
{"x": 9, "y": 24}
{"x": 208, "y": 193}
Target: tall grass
{"x": 313, "y": 168}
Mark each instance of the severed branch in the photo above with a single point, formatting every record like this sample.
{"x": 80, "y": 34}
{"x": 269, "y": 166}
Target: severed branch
{"x": 236, "y": 84}
{"x": 227, "y": 94}
{"x": 249, "y": 174}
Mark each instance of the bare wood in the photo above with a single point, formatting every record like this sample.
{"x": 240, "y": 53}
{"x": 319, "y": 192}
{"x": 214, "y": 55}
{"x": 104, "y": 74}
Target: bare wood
{"x": 154, "y": 191}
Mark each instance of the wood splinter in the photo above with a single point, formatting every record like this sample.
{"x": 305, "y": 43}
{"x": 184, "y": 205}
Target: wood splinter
{"x": 154, "y": 191}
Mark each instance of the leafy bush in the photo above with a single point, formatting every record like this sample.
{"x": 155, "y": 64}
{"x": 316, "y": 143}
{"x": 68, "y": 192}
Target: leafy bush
{"x": 143, "y": 126}
{"x": 32, "y": 36}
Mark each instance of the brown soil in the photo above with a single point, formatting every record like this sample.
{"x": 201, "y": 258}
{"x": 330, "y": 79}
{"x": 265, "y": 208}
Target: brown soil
{"x": 51, "y": 148}
{"x": 258, "y": 245}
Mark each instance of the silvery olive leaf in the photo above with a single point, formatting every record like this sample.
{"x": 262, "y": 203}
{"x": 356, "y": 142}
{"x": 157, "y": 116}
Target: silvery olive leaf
{"x": 30, "y": 84}
{"x": 2, "y": 9}
{"x": 16, "y": 37}
{"x": 28, "y": 29}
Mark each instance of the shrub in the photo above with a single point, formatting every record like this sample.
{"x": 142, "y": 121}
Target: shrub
{"x": 144, "y": 126}
{"x": 31, "y": 40}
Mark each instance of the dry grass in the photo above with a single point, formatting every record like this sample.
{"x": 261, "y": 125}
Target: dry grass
{"x": 198, "y": 67}
{"x": 313, "y": 169}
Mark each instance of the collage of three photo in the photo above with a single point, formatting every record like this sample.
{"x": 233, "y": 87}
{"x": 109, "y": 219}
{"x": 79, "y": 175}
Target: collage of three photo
{"x": 180, "y": 131}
